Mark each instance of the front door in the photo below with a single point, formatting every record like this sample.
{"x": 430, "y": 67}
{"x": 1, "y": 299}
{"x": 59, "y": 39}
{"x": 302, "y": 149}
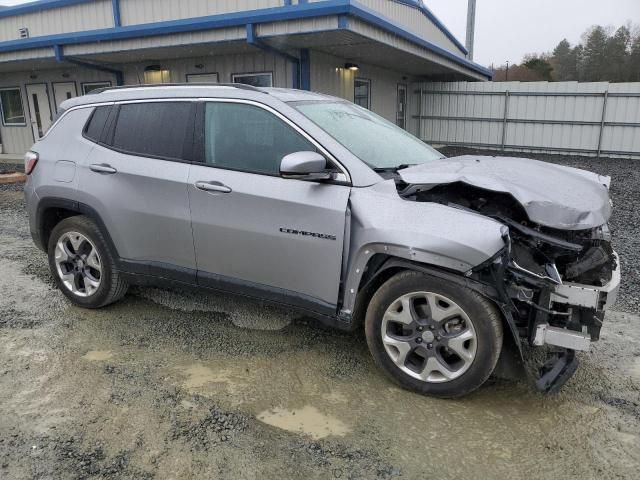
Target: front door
{"x": 255, "y": 231}
{"x": 39, "y": 110}
{"x": 401, "y": 106}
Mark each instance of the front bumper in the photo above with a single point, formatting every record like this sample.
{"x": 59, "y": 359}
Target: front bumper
{"x": 592, "y": 298}
{"x": 589, "y": 296}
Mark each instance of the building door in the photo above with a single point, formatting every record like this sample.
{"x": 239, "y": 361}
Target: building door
{"x": 39, "y": 111}
{"x": 63, "y": 91}
{"x": 401, "y": 106}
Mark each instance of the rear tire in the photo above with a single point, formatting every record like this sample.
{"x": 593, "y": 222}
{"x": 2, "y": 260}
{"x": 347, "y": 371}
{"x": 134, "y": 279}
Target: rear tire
{"x": 82, "y": 264}
{"x": 433, "y": 336}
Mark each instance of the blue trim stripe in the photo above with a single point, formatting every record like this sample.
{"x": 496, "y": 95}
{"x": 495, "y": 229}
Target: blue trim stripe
{"x": 342, "y": 8}
{"x": 41, "y": 5}
{"x": 115, "y": 8}
{"x": 211, "y": 22}
{"x": 252, "y": 39}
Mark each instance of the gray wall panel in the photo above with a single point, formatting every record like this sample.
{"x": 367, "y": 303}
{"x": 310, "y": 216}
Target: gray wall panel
{"x": 147, "y": 11}
{"x": 74, "y": 18}
{"x": 559, "y": 117}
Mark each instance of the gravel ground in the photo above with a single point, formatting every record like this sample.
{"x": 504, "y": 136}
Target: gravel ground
{"x": 625, "y": 221}
{"x": 184, "y": 384}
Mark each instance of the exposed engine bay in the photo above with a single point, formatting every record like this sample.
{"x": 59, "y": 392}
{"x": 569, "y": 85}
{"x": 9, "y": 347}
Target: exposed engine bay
{"x": 553, "y": 284}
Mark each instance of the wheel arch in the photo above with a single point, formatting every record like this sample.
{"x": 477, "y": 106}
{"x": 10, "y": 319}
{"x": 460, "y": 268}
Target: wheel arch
{"x": 52, "y": 210}
{"x": 381, "y": 267}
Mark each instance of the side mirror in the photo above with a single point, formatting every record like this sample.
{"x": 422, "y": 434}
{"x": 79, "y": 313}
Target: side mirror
{"x": 304, "y": 166}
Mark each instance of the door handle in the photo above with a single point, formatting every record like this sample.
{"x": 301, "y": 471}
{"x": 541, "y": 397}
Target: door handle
{"x": 102, "y": 168}
{"x": 212, "y": 187}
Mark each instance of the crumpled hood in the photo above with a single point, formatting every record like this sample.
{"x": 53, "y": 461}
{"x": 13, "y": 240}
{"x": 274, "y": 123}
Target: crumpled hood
{"x": 552, "y": 195}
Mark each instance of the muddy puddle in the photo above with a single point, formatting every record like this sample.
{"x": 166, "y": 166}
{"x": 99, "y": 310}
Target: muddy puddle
{"x": 98, "y": 355}
{"x": 307, "y": 420}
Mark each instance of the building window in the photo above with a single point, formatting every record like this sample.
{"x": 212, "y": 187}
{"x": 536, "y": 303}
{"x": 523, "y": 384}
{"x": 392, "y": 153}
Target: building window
{"x": 90, "y": 87}
{"x": 11, "y": 106}
{"x": 155, "y": 74}
{"x": 254, "y": 79}
{"x": 362, "y": 92}
{"x": 202, "y": 78}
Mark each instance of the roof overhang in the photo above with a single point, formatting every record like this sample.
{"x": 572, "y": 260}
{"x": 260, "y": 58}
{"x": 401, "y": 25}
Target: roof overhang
{"x": 349, "y": 29}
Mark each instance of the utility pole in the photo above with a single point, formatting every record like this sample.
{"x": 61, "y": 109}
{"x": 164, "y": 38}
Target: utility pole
{"x": 471, "y": 27}
{"x": 506, "y": 75}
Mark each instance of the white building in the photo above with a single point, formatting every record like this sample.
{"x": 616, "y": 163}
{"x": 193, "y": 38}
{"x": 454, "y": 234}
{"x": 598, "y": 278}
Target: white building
{"x": 367, "y": 51}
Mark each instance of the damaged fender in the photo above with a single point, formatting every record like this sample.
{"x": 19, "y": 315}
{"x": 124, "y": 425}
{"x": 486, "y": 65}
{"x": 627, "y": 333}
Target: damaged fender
{"x": 424, "y": 233}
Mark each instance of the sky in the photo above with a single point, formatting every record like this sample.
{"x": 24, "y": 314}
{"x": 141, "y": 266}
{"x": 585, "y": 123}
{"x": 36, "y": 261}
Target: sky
{"x": 506, "y": 30}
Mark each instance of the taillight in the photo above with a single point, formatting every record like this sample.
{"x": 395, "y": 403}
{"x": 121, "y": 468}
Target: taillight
{"x": 30, "y": 160}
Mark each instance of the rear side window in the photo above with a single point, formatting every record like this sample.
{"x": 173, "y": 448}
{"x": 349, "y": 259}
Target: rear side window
{"x": 153, "y": 129}
{"x": 95, "y": 126}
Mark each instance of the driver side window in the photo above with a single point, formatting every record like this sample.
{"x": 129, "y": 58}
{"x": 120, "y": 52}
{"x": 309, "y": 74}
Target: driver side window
{"x": 248, "y": 138}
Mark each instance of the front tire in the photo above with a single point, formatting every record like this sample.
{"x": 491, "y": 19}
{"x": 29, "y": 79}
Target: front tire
{"x": 82, "y": 265}
{"x": 433, "y": 336}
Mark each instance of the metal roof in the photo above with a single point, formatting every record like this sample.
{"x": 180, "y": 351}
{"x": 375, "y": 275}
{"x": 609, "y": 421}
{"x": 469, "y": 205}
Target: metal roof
{"x": 340, "y": 8}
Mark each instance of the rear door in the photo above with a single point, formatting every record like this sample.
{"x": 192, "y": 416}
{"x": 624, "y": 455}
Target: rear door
{"x": 136, "y": 179}
{"x": 255, "y": 231}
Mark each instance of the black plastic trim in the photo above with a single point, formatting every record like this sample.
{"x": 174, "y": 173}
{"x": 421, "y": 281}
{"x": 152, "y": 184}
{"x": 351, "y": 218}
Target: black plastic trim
{"x": 158, "y": 270}
{"x": 273, "y": 294}
{"x": 43, "y": 205}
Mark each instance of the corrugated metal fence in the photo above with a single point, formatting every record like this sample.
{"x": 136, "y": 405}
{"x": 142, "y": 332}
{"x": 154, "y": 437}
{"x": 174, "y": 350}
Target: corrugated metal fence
{"x": 563, "y": 117}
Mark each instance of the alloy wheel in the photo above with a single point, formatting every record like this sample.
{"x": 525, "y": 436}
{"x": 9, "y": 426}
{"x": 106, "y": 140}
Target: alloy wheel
{"x": 78, "y": 264}
{"x": 429, "y": 337}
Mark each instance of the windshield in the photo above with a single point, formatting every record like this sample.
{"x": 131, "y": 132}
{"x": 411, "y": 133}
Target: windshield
{"x": 371, "y": 138}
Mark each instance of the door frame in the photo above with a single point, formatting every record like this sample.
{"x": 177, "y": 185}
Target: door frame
{"x": 46, "y": 89}
{"x": 404, "y": 87}
{"x": 53, "y": 87}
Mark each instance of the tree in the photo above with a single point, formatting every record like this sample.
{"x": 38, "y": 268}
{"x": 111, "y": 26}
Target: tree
{"x": 517, "y": 73}
{"x": 617, "y": 53}
{"x": 634, "y": 60}
{"x": 564, "y": 62}
{"x": 540, "y": 65}
{"x": 603, "y": 55}
{"x": 594, "y": 55}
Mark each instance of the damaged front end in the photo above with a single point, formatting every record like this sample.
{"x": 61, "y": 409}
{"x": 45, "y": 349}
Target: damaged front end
{"x": 557, "y": 290}
{"x": 554, "y": 285}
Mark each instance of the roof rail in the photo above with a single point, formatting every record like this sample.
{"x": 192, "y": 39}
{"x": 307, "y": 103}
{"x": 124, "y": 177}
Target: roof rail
{"x": 241, "y": 86}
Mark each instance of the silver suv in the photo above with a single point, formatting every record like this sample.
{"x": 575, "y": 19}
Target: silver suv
{"x": 452, "y": 265}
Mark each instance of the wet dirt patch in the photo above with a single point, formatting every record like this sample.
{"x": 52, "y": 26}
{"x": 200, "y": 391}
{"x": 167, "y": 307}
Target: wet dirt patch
{"x": 307, "y": 420}
{"x": 98, "y": 355}
{"x": 243, "y": 313}
{"x": 216, "y": 426}
{"x": 189, "y": 376}
{"x": 13, "y": 318}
